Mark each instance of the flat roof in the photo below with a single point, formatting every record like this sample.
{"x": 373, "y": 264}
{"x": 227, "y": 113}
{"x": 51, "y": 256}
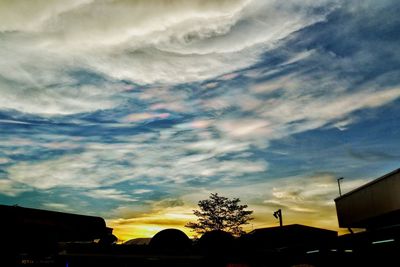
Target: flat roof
{"x": 21, "y": 209}
{"x": 369, "y": 184}
{"x": 291, "y": 227}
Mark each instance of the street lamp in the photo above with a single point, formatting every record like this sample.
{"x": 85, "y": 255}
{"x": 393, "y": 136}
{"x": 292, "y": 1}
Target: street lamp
{"x": 278, "y": 215}
{"x": 338, "y": 182}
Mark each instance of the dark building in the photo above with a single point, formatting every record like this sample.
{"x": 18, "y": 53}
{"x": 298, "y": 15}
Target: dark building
{"x": 375, "y": 207}
{"x": 29, "y": 223}
{"x": 33, "y": 236}
{"x": 294, "y": 235}
{"x": 288, "y": 245}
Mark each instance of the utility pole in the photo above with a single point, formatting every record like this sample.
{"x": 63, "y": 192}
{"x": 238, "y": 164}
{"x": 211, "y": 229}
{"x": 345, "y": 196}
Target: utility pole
{"x": 338, "y": 182}
{"x": 278, "y": 215}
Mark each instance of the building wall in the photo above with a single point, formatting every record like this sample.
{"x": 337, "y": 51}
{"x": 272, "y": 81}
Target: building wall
{"x": 378, "y": 198}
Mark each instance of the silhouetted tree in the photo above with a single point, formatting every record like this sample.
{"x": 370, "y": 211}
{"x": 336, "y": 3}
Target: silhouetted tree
{"x": 220, "y": 213}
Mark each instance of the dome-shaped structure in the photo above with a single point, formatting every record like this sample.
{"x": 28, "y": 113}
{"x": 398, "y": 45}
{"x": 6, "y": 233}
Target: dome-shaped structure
{"x": 170, "y": 239}
{"x": 216, "y": 241}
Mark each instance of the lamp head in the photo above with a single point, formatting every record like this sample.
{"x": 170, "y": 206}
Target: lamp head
{"x": 276, "y": 214}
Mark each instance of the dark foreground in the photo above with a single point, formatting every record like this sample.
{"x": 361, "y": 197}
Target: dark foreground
{"x": 350, "y": 250}
{"x": 32, "y": 237}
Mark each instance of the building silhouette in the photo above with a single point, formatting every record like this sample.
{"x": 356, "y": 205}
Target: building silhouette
{"x": 371, "y": 206}
{"x": 375, "y": 208}
{"x": 33, "y": 236}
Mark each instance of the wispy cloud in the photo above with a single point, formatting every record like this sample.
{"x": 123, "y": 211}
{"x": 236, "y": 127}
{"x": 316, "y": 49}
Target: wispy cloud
{"x": 137, "y": 117}
{"x": 111, "y": 194}
{"x": 153, "y": 161}
{"x": 10, "y": 188}
{"x": 141, "y": 191}
{"x": 58, "y": 206}
{"x": 169, "y": 43}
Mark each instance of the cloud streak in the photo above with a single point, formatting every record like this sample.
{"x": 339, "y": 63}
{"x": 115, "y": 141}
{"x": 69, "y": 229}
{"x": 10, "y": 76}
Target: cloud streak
{"x": 169, "y": 43}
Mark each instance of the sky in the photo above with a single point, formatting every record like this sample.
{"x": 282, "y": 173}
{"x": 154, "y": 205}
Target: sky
{"x": 136, "y": 110}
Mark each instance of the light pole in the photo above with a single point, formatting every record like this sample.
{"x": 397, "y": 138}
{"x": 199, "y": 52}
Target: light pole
{"x": 278, "y": 215}
{"x": 338, "y": 183}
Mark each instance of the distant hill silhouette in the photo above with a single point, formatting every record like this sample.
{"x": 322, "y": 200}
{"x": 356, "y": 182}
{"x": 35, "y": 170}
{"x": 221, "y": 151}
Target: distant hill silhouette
{"x": 138, "y": 241}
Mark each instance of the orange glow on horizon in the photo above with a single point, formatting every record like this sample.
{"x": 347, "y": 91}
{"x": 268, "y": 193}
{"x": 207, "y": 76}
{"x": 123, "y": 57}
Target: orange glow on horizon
{"x": 133, "y": 231}
{"x": 147, "y": 225}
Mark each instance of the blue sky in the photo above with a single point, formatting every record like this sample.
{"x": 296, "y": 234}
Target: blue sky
{"x": 135, "y": 110}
